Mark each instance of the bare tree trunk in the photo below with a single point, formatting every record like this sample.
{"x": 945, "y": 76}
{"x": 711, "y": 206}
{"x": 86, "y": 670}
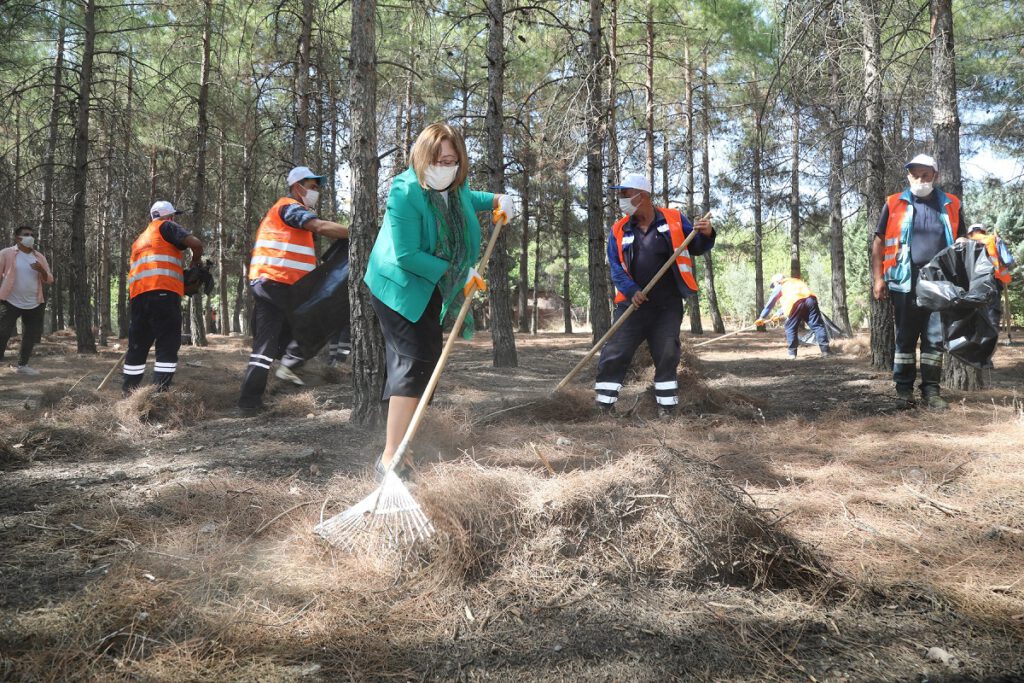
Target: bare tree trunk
{"x": 536, "y": 257}
{"x": 502, "y": 334}
{"x": 78, "y": 280}
{"x": 367, "y": 341}
{"x": 755, "y": 177}
{"x": 103, "y": 291}
{"x": 794, "y": 195}
{"x": 196, "y": 308}
{"x": 524, "y": 244}
{"x": 946, "y": 131}
{"x": 299, "y": 138}
{"x": 613, "y": 138}
{"x": 223, "y": 263}
{"x": 649, "y": 93}
{"x": 600, "y": 313}
{"x": 883, "y": 337}
{"x": 48, "y": 227}
{"x": 566, "y": 255}
{"x": 688, "y": 102}
{"x": 709, "y": 269}
{"x": 126, "y": 181}
{"x": 835, "y": 179}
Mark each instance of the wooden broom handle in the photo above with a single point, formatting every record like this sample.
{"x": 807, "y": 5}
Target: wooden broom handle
{"x": 111, "y": 373}
{"x": 421, "y": 407}
{"x": 629, "y": 311}
{"x": 729, "y": 334}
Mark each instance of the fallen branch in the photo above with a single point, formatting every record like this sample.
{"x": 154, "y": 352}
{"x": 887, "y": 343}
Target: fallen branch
{"x": 543, "y": 459}
{"x": 863, "y": 526}
{"x": 944, "y": 508}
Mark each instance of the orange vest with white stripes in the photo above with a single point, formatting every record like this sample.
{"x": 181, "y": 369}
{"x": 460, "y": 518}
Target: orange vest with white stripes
{"x": 155, "y": 263}
{"x": 896, "y": 248}
{"x": 281, "y": 253}
{"x": 674, "y": 227}
{"x": 1002, "y": 273}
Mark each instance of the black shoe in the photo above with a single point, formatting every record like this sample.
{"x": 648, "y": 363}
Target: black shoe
{"x": 251, "y": 410}
{"x": 604, "y": 409}
{"x": 666, "y": 412}
{"x": 905, "y": 400}
{"x": 935, "y": 402}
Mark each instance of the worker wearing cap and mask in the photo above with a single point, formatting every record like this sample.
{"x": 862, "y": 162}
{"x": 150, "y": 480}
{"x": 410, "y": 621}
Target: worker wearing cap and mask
{"x": 156, "y": 283}
{"x": 915, "y": 225}
{"x": 283, "y": 253}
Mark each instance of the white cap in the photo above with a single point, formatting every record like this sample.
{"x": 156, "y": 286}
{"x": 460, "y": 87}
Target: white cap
{"x": 777, "y": 278}
{"x": 161, "y": 209}
{"x": 922, "y": 160}
{"x": 634, "y": 181}
{"x": 300, "y": 173}
{"x": 976, "y": 226}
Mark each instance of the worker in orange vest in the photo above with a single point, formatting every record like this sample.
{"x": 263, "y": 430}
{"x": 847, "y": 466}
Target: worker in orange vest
{"x": 638, "y": 246}
{"x": 1001, "y": 258}
{"x": 283, "y": 253}
{"x": 914, "y": 226}
{"x": 156, "y": 283}
{"x": 800, "y": 305}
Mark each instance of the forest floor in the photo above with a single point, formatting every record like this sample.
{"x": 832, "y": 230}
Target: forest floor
{"x": 788, "y": 524}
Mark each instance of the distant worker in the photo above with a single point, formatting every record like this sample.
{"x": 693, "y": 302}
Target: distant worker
{"x": 1001, "y": 257}
{"x": 800, "y": 305}
{"x": 283, "y": 253}
{"x": 156, "y": 283}
{"x": 23, "y": 272}
{"x": 638, "y": 246}
{"x": 914, "y": 226}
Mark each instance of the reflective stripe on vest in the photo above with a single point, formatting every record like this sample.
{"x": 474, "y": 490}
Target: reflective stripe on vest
{"x": 281, "y": 253}
{"x": 1002, "y": 273}
{"x": 793, "y": 290}
{"x": 900, "y": 225}
{"x": 674, "y": 227}
{"x": 155, "y": 264}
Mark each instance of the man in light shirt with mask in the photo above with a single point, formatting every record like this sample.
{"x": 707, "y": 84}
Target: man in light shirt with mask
{"x": 23, "y": 272}
{"x": 283, "y": 253}
{"x": 915, "y": 225}
{"x": 639, "y": 245}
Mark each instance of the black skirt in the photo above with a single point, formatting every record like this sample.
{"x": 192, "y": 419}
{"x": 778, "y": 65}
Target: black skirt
{"x": 411, "y": 349}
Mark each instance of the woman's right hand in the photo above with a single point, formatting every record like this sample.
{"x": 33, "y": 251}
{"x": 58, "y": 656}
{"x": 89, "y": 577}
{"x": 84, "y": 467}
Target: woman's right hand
{"x": 506, "y": 205}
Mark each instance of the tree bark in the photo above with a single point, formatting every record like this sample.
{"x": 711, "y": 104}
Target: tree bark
{"x": 78, "y": 279}
{"x": 524, "y": 245}
{"x": 103, "y": 290}
{"x": 367, "y": 341}
{"x": 946, "y": 131}
{"x": 883, "y": 331}
{"x": 613, "y": 138}
{"x": 566, "y": 255}
{"x": 649, "y": 93}
{"x": 600, "y": 313}
{"x": 301, "y": 132}
{"x": 47, "y": 225}
{"x": 196, "y": 308}
{"x": 124, "y": 253}
{"x": 758, "y": 202}
{"x": 502, "y": 334}
{"x": 709, "y": 269}
{"x": 223, "y": 242}
{"x": 794, "y": 195}
{"x": 837, "y": 129}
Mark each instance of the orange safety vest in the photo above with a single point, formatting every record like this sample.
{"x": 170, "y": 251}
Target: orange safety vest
{"x": 896, "y": 249}
{"x": 674, "y": 227}
{"x": 156, "y": 263}
{"x": 281, "y": 253}
{"x": 1002, "y": 273}
{"x": 793, "y": 290}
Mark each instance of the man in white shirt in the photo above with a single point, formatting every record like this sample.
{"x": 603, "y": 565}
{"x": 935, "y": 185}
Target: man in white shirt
{"x": 23, "y": 272}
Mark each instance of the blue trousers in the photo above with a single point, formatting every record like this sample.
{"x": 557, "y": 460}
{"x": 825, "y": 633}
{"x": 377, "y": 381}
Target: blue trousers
{"x": 806, "y": 311}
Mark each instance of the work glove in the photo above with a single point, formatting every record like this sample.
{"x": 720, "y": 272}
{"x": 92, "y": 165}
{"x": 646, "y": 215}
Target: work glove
{"x": 760, "y": 322}
{"x": 474, "y": 278}
{"x": 506, "y": 211}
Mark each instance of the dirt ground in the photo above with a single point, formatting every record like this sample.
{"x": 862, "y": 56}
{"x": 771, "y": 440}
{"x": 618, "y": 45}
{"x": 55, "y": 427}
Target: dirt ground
{"x": 788, "y": 524}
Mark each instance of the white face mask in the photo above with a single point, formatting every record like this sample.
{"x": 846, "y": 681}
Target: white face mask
{"x": 311, "y": 198}
{"x": 921, "y": 189}
{"x": 627, "y": 206}
{"x": 27, "y": 241}
{"x": 440, "y": 177}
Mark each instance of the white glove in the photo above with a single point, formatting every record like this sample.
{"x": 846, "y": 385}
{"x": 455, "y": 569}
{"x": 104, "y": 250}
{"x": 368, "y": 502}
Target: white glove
{"x": 507, "y": 204}
{"x": 473, "y": 277}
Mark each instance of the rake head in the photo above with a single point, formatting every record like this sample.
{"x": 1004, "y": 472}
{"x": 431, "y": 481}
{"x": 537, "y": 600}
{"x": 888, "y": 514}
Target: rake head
{"x": 388, "y": 518}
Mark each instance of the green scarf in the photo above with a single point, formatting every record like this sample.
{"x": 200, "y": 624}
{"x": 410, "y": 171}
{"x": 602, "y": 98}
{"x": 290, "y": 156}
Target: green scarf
{"x": 452, "y": 246}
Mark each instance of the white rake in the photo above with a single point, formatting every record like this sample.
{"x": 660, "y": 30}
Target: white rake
{"x": 390, "y": 517}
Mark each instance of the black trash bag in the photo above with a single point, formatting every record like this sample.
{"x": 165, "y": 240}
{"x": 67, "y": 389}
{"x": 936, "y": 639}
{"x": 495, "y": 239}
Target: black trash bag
{"x": 318, "y": 308}
{"x": 806, "y": 335}
{"x": 198, "y": 277}
{"x": 960, "y": 284}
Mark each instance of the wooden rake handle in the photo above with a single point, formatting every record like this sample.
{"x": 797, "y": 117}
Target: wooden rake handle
{"x": 629, "y": 311}
{"x": 421, "y": 407}
{"x": 728, "y": 334}
{"x": 111, "y": 373}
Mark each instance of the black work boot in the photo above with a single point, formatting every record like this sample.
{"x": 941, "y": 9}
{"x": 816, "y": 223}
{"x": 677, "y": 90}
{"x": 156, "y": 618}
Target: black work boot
{"x": 933, "y": 401}
{"x": 905, "y": 400}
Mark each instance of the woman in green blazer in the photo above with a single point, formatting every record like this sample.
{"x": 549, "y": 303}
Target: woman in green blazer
{"x": 419, "y": 264}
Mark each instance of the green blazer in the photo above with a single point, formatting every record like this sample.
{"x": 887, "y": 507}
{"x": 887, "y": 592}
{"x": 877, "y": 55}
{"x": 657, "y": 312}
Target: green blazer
{"x": 403, "y": 271}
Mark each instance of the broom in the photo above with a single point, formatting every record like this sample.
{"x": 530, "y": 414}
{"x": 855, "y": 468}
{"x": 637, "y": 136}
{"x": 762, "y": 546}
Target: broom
{"x": 390, "y": 517}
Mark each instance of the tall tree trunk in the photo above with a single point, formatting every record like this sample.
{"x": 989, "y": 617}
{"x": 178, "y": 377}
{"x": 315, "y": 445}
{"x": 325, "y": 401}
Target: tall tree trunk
{"x": 600, "y": 313}
{"x": 946, "y": 131}
{"x": 883, "y": 337}
{"x": 835, "y": 178}
{"x": 613, "y": 138}
{"x": 566, "y": 255}
{"x": 197, "y": 310}
{"x": 103, "y": 291}
{"x": 536, "y": 257}
{"x": 649, "y": 93}
{"x": 755, "y": 177}
{"x": 123, "y": 211}
{"x": 300, "y": 134}
{"x": 78, "y": 279}
{"x": 709, "y": 269}
{"x": 524, "y": 244}
{"x": 502, "y": 334}
{"x": 794, "y": 194}
{"x": 223, "y": 241}
{"x": 367, "y": 341}
{"x": 688, "y": 103}
{"x": 48, "y": 223}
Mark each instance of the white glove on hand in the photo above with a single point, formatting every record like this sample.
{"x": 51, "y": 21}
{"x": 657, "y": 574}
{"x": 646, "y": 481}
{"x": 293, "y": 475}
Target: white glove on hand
{"x": 473, "y": 277}
{"x": 507, "y": 204}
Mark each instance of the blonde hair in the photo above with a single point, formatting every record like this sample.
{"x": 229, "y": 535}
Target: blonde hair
{"x": 427, "y": 148}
